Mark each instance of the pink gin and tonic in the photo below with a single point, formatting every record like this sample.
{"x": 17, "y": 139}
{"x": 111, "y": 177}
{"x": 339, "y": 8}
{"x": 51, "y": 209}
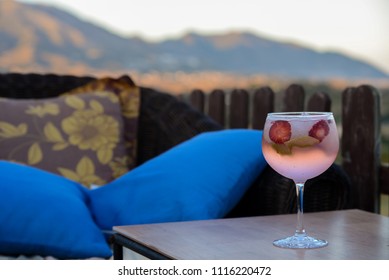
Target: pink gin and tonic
{"x": 300, "y": 146}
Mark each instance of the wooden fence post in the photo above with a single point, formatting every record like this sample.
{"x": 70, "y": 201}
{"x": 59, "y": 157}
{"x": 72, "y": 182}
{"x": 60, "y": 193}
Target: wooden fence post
{"x": 294, "y": 98}
{"x": 263, "y": 103}
{"x": 239, "y": 108}
{"x": 319, "y": 102}
{"x": 197, "y": 99}
{"x": 216, "y": 106}
{"x": 360, "y": 144}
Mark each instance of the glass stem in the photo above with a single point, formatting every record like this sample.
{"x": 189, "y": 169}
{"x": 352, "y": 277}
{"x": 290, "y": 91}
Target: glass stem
{"x": 300, "y": 209}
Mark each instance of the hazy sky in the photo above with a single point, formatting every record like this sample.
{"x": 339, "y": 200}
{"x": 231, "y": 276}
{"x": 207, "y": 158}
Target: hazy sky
{"x": 359, "y": 28}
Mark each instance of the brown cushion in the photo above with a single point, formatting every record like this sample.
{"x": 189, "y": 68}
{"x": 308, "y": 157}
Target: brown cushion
{"x": 87, "y": 135}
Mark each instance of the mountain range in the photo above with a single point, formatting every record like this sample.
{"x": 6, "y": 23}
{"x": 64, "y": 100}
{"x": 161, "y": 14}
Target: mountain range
{"x": 40, "y": 37}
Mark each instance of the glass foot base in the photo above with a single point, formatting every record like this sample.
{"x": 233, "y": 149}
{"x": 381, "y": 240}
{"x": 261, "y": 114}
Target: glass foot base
{"x": 300, "y": 242}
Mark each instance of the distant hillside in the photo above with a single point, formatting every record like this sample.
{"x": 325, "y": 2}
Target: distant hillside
{"x": 46, "y": 38}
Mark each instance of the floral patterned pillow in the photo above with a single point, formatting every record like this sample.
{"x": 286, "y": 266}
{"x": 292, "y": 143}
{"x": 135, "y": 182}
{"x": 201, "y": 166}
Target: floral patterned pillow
{"x": 87, "y": 135}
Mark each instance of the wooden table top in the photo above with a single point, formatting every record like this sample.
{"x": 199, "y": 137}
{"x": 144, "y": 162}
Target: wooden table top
{"x": 352, "y": 234}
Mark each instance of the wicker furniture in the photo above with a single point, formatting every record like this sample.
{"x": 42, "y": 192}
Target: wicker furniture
{"x": 165, "y": 122}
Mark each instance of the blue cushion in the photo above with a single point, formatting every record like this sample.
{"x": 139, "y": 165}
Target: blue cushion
{"x": 45, "y": 214}
{"x": 202, "y": 178}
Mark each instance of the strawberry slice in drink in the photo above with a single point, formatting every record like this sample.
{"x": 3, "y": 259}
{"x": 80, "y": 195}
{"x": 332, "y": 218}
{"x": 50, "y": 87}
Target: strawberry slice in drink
{"x": 319, "y": 130}
{"x": 280, "y": 132}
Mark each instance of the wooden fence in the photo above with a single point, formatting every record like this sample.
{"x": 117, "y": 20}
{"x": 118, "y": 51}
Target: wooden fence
{"x": 360, "y": 128}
